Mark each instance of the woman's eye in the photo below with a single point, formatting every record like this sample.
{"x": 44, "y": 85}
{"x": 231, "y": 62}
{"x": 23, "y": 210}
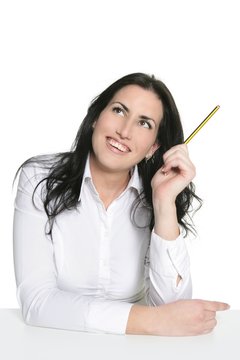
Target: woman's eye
{"x": 118, "y": 110}
{"x": 145, "y": 124}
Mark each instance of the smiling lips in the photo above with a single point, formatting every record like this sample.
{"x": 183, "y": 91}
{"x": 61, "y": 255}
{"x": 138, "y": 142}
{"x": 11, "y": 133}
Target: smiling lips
{"x": 115, "y": 144}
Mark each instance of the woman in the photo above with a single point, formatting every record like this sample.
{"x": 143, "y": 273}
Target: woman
{"x": 98, "y": 231}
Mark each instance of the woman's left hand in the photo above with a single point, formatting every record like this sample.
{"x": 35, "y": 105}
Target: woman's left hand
{"x": 175, "y": 174}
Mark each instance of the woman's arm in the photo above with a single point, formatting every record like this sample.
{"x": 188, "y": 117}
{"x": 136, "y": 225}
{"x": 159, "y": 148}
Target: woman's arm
{"x": 181, "y": 318}
{"x": 168, "y": 256}
{"x": 169, "y": 268}
{"x": 168, "y": 182}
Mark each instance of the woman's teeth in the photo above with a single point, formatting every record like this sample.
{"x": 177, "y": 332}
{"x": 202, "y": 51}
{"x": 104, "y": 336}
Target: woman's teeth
{"x": 118, "y": 146}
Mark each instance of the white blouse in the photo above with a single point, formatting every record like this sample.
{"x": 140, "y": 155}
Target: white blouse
{"x": 97, "y": 264}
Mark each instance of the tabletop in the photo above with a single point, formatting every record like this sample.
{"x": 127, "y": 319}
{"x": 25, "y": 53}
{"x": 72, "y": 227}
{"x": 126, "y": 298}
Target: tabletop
{"x": 20, "y": 341}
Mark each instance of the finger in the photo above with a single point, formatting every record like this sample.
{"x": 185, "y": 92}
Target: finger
{"x": 177, "y": 161}
{"x": 209, "y": 326}
{"x": 209, "y": 315}
{"x": 215, "y": 305}
{"x": 181, "y": 147}
{"x": 176, "y": 155}
{"x": 178, "y": 149}
{"x": 180, "y": 165}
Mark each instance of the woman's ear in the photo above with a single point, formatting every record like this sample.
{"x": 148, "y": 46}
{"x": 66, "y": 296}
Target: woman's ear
{"x": 152, "y": 150}
{"x": 93, "y": 125}
{"x": 155, "y": 147}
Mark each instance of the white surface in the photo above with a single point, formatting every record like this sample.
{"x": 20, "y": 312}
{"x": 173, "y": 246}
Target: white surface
{"x": 22, "y": 342}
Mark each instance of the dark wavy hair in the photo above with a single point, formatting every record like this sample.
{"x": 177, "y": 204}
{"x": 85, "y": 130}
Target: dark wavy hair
{"x": 63, "y": 183}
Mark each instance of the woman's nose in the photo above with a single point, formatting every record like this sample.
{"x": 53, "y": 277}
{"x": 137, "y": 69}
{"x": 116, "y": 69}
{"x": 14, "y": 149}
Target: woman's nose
{"x": 125, "y": 131}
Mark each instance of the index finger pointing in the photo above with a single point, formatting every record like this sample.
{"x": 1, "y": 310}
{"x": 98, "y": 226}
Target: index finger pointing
{"x": 216, "y": 305}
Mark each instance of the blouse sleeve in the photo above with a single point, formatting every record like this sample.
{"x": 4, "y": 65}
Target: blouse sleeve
{"x": 42, "y": 302}
{"x": 166, "y": 260}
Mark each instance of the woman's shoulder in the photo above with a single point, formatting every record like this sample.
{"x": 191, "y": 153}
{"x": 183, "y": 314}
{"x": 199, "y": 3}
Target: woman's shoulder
{"x": 39, "y": 164}
{"x": 37, "y": 168}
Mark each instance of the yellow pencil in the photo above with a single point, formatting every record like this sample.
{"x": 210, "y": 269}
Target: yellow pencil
{"x": 202, "y": 124}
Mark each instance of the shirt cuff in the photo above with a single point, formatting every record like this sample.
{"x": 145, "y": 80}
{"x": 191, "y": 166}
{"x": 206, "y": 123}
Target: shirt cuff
{"x": 108, "y": 316}
{"x": 169, "y": 257}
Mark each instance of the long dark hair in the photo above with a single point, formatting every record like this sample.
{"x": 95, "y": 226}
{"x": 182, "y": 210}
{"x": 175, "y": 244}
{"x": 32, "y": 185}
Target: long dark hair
{"x": 63, "y": 183}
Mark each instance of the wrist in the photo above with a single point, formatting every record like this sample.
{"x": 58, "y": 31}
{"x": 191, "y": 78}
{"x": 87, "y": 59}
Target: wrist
{"x": 164, "y": 208}
{"x": 165, "y": 199}
{"x": 165, "y": 221}
{"x": 141, "y": 320}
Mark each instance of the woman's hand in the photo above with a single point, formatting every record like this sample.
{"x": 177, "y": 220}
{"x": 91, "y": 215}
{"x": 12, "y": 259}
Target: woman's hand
{"x": 176, "y": 173}
{"x": 189, "y": 317}
{"x": 180, "y": 318}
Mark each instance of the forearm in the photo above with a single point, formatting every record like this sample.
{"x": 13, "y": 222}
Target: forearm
{"x": 168, "y": 182}
{"x": 166, "y": 223}
{"x": 62, "y": 309}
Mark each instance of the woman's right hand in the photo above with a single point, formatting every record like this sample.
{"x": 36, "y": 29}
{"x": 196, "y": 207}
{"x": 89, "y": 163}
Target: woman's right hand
{"x": 179, "y": 318}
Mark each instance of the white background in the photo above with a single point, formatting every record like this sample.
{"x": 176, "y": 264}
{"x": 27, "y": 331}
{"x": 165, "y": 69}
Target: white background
{"x": 57, "y": 55}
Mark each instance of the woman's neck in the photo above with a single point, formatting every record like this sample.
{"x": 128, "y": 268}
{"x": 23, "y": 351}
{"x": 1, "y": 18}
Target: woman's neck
{"x": 108, "y": 184}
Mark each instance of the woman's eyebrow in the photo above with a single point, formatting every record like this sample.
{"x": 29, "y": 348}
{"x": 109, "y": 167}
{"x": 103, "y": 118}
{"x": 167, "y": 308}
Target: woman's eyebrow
{"x": 143, "y": 117}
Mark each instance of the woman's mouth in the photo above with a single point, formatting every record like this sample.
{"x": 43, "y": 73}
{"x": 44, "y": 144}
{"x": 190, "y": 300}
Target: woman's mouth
{"x": 116, "y": 146}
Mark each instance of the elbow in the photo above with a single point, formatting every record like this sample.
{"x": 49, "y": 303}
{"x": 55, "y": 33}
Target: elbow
{"x": 32, "y": 302}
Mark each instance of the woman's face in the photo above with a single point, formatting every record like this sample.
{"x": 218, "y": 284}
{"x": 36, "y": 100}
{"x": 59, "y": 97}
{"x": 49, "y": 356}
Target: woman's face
{"x": 126, "y": 129}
